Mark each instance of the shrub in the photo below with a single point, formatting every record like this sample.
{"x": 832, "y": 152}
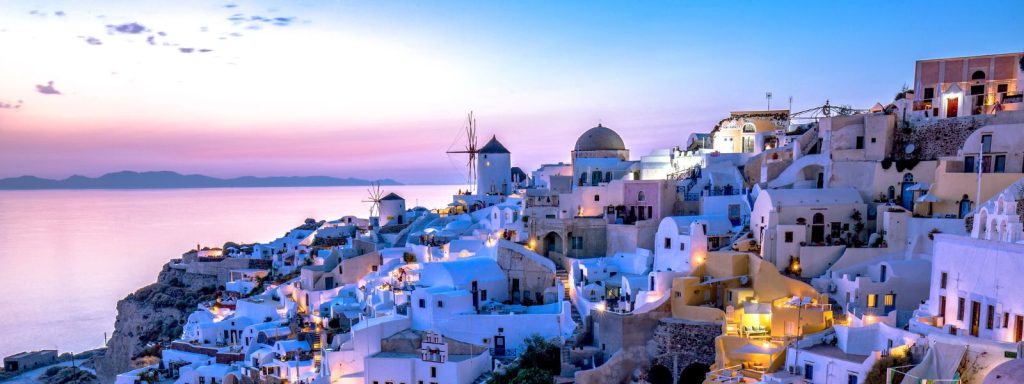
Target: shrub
{"x": 409, "y": 257}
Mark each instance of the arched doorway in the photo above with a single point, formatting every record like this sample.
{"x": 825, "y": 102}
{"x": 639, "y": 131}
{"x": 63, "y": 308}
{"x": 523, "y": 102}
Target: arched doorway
{"x": 694, "y": 373}
{"x": 552, "y": 243}
{"x": 965, "y": 207}
{"x": 818, "y": 228}
{"x": 907, "y": 198}
{"x": 659, "y": 374}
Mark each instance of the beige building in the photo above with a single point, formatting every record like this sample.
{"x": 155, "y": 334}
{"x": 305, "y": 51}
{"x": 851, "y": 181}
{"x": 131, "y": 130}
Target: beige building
{"x": 962, "y": 86}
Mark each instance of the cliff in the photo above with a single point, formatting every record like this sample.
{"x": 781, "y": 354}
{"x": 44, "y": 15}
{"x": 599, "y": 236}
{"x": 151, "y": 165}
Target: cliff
{"x": 150, "y": 315}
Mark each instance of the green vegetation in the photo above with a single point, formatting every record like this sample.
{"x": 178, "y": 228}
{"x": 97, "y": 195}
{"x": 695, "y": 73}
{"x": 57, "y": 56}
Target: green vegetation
{"x": 877, "y": 374}
{"x": 539, "y": 362}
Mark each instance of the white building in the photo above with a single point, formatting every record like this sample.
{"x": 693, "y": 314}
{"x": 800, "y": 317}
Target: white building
{"x": 494, "y": 169}
{"x": 392, "y": 210}
{"x": 683, "y": 241}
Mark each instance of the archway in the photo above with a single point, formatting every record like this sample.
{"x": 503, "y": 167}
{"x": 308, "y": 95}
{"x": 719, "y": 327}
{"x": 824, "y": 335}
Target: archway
{"x": 694, "y": 373}
{"x": 231, "y": 379}
{"x": 659, "y": 374}
{"x": 818, "y": 228}
{"x": 552, "y": 243}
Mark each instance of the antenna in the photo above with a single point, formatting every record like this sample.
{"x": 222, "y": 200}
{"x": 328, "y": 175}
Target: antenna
{"x": 375, "y": 194}
{"x": 470, "y": 149}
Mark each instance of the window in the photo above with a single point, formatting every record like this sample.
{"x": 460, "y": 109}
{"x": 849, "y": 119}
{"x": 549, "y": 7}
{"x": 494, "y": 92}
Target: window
{"x": 942, "y": 280}
{"x": 423, "y": 303}
{"x": 989, "y": 322}
{"x": 682, "y": 246}
{"x": 960, "y": 309}
{"x": 978, "y": 75}
{"x": 808, "y": 371}
{"x": 977, "y": 90}
{"x": 884, "y": 271}
{"x": 668, "y": 243}
{"x": 597, "y": 197}
{"x": 789, "y": 236}
{"x": 889, "y": 300}
{"x": 640, "y": 196}
{"x": 872, "y": 300}
{"x": 483, "y": 295}
{"x": 679, "y": 294}
{"x": 440, "y": 304}
{"x": 749, "y": 128}
{"x": 942, "y": 306}
{"x": 1000, "y": 166}
{"x": 1002, "y": 88}
{"x": 851, "y": 378}
{"x": 929, "y": 93}
{"x": 1006, "y": 319}
{"x": 873, "y": 139}
{"x": 986, "y": 143}
{"x": 577, "y": 242}
{"x": 969, "y": 164}
{"x": 433, "y": 371}
{"x": 860, "y": 142}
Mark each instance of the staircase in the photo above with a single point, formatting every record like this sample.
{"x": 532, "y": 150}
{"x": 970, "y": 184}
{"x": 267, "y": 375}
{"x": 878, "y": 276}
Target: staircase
{"x": 483, "y": 378}
{"x": 563, "y": 275}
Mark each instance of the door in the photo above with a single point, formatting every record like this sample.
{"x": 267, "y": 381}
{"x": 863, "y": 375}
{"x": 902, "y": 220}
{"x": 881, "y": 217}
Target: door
{"x": 329, "y": 282}
{"x": 1018, "y": 327}
{"x": 499, "y": 345}
{"x": 515, "y": 291}
{"x": 975, "y": 318}
{"x": 476, "y": 295}
{"x": 952, "y": 104}
{"x": 818, "y": 228}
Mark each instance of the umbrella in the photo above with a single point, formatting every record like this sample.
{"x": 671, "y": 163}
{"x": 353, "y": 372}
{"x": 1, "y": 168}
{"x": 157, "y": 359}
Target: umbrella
{"x": 918, "y": 187}
{"x": 928, "y": 198}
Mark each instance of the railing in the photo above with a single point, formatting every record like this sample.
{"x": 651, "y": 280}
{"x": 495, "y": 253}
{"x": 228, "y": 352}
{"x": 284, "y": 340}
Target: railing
{"x": 726, "y": 375}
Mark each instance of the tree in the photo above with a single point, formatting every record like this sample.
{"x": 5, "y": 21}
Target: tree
{"x": 533, "y": 376}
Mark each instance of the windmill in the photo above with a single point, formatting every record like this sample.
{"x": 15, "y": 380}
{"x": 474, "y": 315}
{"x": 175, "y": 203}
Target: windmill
{"x": 375, "y": 194}
{"x": 470, "y": 149}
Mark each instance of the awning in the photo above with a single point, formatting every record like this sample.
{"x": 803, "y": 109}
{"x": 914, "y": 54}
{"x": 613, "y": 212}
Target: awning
{"x": 759, "y": 349}
{"x": 721, "y": 279}
{"x": 918, "y": 187}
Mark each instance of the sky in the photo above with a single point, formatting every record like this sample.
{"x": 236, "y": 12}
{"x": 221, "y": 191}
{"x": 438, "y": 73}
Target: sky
{"x": 381, "y": 89}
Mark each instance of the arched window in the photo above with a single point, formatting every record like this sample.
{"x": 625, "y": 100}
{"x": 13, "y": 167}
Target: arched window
{"x": 891, "y": 193}
{"x": 583, "y": 178}
{"x": 978, "y": 75}
{"x": 595, "y": 177}
{"x": 749, "y": 128}
{"x": 640, "y": 196}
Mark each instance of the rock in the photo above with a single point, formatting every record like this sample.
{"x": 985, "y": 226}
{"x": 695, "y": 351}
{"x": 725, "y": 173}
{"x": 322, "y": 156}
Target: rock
{"x": 152, "y": 314}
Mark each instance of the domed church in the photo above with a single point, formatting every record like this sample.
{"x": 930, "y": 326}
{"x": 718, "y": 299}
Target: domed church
{"x": 601, "y": 156}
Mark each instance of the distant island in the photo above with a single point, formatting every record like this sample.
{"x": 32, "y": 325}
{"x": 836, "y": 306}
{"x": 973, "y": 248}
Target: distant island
{"x": 168, "y": 179}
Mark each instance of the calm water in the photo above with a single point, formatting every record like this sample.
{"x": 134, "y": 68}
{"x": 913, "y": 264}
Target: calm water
{"x": 67, "y": 257}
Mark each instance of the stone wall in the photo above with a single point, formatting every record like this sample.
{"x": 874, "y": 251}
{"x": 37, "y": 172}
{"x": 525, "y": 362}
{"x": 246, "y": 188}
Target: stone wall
{"x": 689, "y": 342}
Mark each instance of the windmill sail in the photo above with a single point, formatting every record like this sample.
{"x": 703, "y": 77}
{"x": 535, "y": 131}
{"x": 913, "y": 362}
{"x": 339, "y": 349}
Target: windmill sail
{"x": 470, "y": 149}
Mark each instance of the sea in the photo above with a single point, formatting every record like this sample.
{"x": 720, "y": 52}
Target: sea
{"x": 68, "y": 256}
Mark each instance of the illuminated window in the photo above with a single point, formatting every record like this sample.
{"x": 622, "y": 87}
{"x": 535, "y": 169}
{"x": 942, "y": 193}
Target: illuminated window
{"x": 872, "y": 300}
{"x": 889, "y": 299}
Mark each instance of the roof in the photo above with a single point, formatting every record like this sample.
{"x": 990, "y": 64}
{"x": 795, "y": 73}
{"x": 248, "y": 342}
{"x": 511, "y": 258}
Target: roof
{"x": 493, "y": 146}
{"x": 600, "y": 138}
{"x": 392, "y": 196}
{"x": 461, "y": 272}
{"x": 811, "y": 196}
{"x": 717, "y": 224}
{"x": 1009, "y": 372}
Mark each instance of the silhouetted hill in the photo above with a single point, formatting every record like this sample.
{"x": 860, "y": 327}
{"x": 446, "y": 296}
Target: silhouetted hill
{"x": 167, "y": 179}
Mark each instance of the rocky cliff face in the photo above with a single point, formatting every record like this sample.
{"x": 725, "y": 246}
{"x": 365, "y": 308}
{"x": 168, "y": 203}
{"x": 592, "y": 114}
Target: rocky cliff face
{"x": 150, "y": 315}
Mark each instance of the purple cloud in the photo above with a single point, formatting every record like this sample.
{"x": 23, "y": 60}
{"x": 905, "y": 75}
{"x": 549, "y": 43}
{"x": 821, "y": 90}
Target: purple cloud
{"x": 92, "y": 40}
{"x": 186, "y": 50}
{"x": 131, "y": 28}
{"x": 47, "y": 89}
